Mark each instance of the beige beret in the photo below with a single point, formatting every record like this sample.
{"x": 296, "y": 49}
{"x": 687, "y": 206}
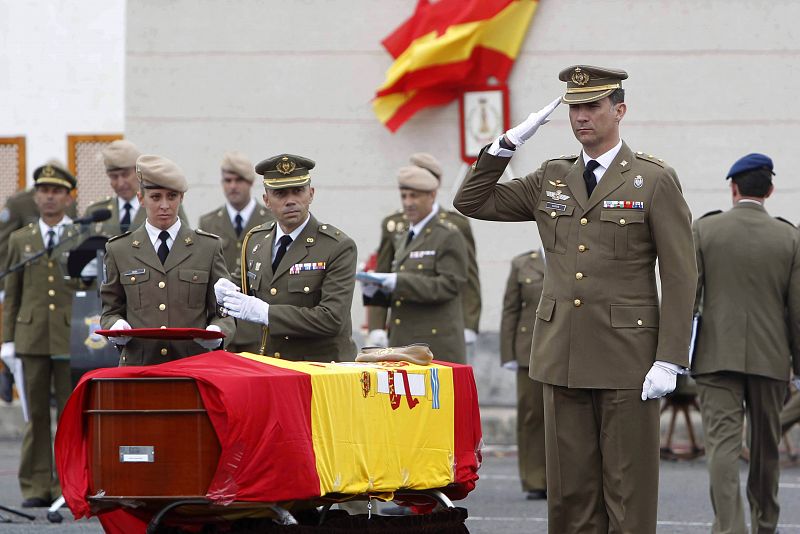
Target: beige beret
{"x": 239, "y": 164}
{"x": 427, "y": 161}
{"x": 120, "y": 154}
{"x": 417, "y": 178}
{"x": 157, "y": 172}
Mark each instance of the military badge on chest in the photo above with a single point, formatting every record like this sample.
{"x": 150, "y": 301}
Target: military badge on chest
{"x": 557, "y": 194}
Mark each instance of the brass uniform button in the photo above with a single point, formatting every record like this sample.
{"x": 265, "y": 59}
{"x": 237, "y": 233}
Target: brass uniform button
{"x": 397, "y": 321}
{"x": 162, "y": 285}
{"x": 577, "y": 302}
{"x": 402, "y": 267}
{"x": 581, "y": 248}
{"x": 527, "y": 280}
{"x": 194, "y": 278}
{"x": 397, "y": 303}
{"x": 163, "y": 327}
{"x": 286, "y": 338}
{"x": 433, "y": 331}
{"x": 52, "y": 292}
{"x": 273, "y": 291}
{"x": 523, "y": 329}
{"x": 419, "y": 266}
{"x": 306, "y": 289}
{"x": 238, "y": 244}
{"x": 52, "y": 307}
{"x": 553, "y": 214}
{"x": 50, "y": 278}
{"x": 622, "y": 222}
{"x": 50, "y": 264}
{"x": 164, "y": 352}
{"x": 640, "y": 322}
{"x": 133, "y": 278}
{"x": 277, "y": 355}
{"x": 584, "y": 221}
{"x": 124, "y": 359}
{"x": 578, "y": 276}
{"x": 162, "y": 306}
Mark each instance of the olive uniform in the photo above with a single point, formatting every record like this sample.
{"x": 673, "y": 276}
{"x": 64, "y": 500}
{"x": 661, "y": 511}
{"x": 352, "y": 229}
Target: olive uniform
{"x": 178, "y": 294}
{"x": 747, "y": 346}
{"x": 523, "y": 291}
{"x": 309, "y": 294}
{"x": 248, "y": 335}
{"x": 397, "y": 224}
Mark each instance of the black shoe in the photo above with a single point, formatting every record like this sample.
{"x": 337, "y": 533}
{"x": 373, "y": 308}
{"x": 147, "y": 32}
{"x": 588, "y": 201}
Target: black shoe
{"x": 35, "y": 502}
{"x": 536, "y": 495}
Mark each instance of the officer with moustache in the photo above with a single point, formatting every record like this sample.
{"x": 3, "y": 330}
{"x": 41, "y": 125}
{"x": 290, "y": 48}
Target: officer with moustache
{"x": 162, "y": 273}
{"x": 604, "y": 343}
{"x": 36, "y": 326}
{"x": 231, "y": 222}
{"x": 299, "y": 272}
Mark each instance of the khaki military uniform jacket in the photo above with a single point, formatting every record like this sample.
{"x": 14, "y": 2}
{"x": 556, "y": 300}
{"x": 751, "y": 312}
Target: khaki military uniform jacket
{"x": 599, "y": 323}
{"x": 179, "y": 294}
{"x": 396, "y": 225}
{"x": 38, "y": 305}
{"x": 309, "y": 295}
{"x": 523, "y": 291}
{"x": 248, "y": 335}
{"x": 110, "y": 227}
{"x": 749, "y": 290}
{"x": 426, "y": 302}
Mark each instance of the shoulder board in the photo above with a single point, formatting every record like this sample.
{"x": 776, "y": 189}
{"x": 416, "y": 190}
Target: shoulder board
{"x": 265, "y": 227}
{"x": 447, "y": 224}
{"x": 566, "y": 157}
{"x": 198, "y": 231}
{"x": 710, "y": 213}
{"x": 396, "y": 216}
{"x": 114, "y": 238}
{"x": 651, "y": 158}
{"x": 525, "y": 255}
{"x": 331, "y": 231}
{"x": 786, "y": 221}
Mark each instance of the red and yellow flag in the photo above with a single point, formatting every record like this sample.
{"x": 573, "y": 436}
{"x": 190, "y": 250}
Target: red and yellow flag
{"x": 445, "y": 47}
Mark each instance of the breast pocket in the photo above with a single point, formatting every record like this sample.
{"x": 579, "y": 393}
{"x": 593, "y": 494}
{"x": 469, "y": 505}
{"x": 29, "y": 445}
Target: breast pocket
{"x": 197, "y": 284}
{"x": 133, "y": 284}
{"x": 554, "y": 221}
{"x": 306, "y": 289}
{"x": 618, "y": 230}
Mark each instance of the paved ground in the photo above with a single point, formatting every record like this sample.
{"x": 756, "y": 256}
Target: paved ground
{"x": 497, "y": 505}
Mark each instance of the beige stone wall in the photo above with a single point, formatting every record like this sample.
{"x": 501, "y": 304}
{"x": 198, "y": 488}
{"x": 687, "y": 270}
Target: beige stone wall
{"x": 709, "y": 82}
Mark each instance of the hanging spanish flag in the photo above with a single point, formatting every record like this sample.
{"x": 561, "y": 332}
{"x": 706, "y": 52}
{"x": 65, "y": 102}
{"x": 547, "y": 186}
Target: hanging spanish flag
{"x": 445, "y": 47}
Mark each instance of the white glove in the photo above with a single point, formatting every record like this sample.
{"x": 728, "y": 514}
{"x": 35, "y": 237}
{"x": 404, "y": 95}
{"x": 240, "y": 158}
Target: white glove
{"x": 7, "y": 354}
{"x": 245, "y": 307}
{"x": 470, "y": 336}
{"x": 795, "y": 380}
{"x": 377, "y": 338}
{"x": 90, "y": 269}
{"x": 209, "y": 343}
{"x": 660, "y": 380}
{"x": 121, "y": 324}
{"x": 222, "y": 287}
{"x": 388, "y": 280}
{"x": 2, "y": 295}
{"x": 525, "y": 130}
{"x": 513, "y": 365}
{"x": 369, "y": 289}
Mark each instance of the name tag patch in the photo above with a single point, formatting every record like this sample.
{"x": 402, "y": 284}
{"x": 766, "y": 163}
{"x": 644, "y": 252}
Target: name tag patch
{"x": 134, "y": 272}
{"x": 557, "y": 207}
{"x": 417, "y": 254}
{"x": 624, "y": 204}
{"x": 312, "y": 266}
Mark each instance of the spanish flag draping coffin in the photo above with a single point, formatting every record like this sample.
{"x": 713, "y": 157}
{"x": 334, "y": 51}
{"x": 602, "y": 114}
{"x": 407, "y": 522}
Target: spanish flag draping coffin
{"x": 245, "y": 428}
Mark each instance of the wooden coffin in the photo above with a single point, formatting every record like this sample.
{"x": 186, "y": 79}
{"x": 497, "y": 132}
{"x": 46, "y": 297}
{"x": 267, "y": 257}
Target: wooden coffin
{"x": 149, "y": 439}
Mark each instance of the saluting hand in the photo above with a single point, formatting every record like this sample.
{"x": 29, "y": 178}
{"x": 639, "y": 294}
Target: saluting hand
{"x": 525, "y": 130}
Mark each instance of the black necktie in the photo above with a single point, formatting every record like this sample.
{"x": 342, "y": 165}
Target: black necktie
{"x": 125, "y": 221}
{"x": 588, "y": 176}
{"x": 51, "y": 241}
{"x": 409, "y": 238}
{"x": 163, "y": 249}
{"x": 283, "y": 244}
{"x": 239, "y": 226}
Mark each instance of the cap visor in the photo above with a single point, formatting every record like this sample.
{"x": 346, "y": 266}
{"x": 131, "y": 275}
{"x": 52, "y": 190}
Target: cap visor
{"x": 585, "y": 98}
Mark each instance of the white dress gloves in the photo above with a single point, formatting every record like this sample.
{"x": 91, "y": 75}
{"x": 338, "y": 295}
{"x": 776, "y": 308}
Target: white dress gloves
{"x": 525, "y": 130}
{"x": 377, "y": 338}
{"x": 7, "y": 354}
{"x": 222, "y": 286}
{"x": 513, "y": 365}
{"x": 245, "y": 307}
{"x": 470, "y": 336}
{"x": 121, "y": 324}
{"x": 388, "y": 281}
{"x": 209, "y": 344}
{"x": 660, "y": 380}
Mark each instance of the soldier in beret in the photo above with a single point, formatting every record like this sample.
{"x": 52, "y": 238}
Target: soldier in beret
{"x": 36, "y": 326}
{"x": 299, "y": 272}
{"x": 427, "y": 274}
{"x": 604, "y": 345}
{"x": 749, "y": 342}
{"x": 231, "y": 222}
{"x": 394, "y": 227}
{"x": 119, "y": 159}
{"x": 523, "y": 291}
{"x": 162, "y": 274}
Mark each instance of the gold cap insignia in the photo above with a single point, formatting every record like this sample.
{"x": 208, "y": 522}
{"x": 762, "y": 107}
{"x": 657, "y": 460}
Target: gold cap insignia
{"x": 48, "y": 171}
{"x": 579, "y": 77}
{"x": 285, "y": 166}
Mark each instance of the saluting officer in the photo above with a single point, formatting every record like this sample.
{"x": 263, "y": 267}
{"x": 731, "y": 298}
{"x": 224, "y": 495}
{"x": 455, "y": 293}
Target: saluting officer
{"x": 231, "y": 222}
{"x": 427, "y": 274}
{"x": 749, "y": 290}
{"x": 36, "y": 326}
{"x": 523, "y": 291}
{"x": 162, "y": 274}
{"x": 119, "y": 159}
{"x": 299, "y": 275}
{"x": 602, "y": 343}
{"x": 396, "y": 225}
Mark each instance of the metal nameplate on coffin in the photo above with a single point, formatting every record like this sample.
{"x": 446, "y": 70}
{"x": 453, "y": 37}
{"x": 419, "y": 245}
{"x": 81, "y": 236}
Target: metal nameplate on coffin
{"x": 137, "y": 454}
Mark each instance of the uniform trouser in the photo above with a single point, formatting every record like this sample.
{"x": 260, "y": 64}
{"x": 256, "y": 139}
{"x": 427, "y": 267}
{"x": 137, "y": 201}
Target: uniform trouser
{"x": 790, "y": 413}
{"x": 724, "y": 397}
{"x": 602, "y": 461}
{"x": 37, "y": 474}
{"x": 530, "y": 432}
